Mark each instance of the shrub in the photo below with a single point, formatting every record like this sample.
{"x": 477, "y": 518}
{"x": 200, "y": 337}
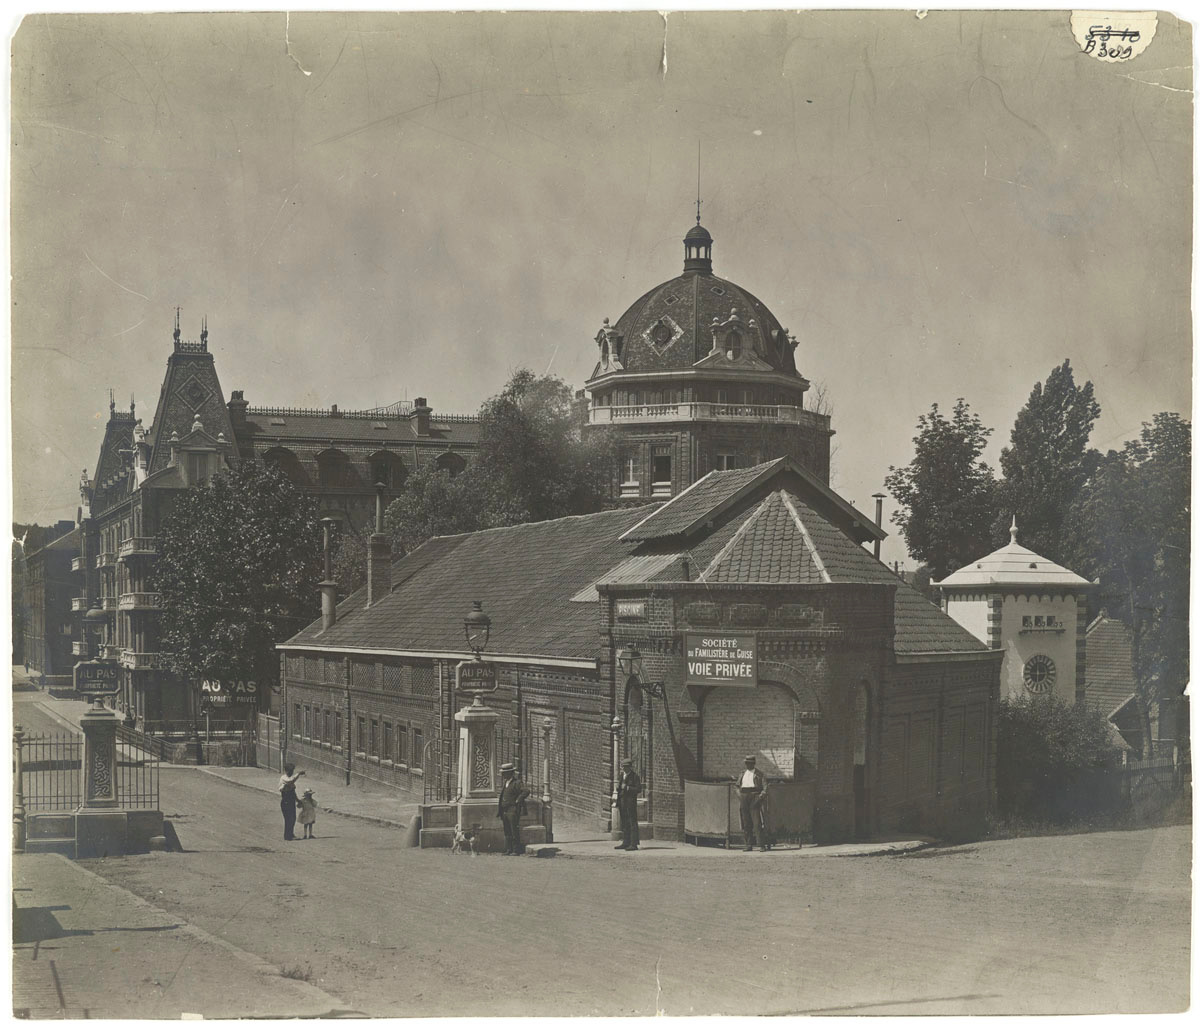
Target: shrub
{"x": 1053, "y": 761}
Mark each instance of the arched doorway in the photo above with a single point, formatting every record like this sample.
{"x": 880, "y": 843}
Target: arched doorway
{"x": 781, "y": 729}
{"x": 637, "y": 745}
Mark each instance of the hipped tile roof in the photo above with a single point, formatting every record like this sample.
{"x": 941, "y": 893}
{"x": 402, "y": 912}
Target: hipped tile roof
{"x": 530, "y": 578}
{"x": 259, "y": 428}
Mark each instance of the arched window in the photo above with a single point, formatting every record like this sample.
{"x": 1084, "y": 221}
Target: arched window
{"x": 387, "y": 468}
{"x": 451, "y": 462}
{"x": 335, "y": 471}
{"x": 288, "y": 462}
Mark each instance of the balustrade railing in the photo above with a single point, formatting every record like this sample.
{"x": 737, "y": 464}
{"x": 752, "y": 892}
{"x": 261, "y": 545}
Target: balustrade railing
{"x": 140, "y": 600}
{"x": 138, "y": 547}
{"x": 704, "y": 411}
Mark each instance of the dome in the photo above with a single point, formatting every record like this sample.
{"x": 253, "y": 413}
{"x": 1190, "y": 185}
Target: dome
{"x": 698, "y": 232}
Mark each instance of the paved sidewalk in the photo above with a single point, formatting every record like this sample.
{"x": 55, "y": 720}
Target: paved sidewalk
{"x": 86, "y": 948}
{"x": 655, "y": 849}
{"x": 395, "y": 808}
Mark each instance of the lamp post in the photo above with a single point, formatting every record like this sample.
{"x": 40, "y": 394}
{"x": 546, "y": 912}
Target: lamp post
{"x": 547, "y": 726}
{"x": 615, "y": 729}
{"x": 477, "y": 791}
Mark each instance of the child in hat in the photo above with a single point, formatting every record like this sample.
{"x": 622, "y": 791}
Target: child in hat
{"x": 308, "y": 813}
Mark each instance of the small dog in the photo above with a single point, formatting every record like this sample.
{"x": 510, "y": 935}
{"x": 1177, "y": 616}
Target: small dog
{"x": 464, "y": 843}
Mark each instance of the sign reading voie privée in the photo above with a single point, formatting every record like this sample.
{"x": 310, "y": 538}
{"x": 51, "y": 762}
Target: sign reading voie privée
{"x": 97, "y": 677}
{"x": 475, "y": 675}
{"x": 726, "y": 660}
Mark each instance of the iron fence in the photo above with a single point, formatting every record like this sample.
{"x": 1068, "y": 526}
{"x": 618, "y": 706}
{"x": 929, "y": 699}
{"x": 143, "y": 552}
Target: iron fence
{"x": 52, "y": 776}
{"x": 440, "y": 764}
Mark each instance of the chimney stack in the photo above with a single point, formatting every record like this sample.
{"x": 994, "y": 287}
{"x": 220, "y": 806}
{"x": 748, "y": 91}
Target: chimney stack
{"x": 420, "y": 416}
{"x": 329, "y": 585}
{"x": 379, "y": 554}
{"x": 878, "y": 497}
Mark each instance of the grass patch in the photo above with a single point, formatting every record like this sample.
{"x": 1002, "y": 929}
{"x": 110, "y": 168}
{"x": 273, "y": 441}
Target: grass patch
{"x": 1173, "y": 810}
{"x": 297, "y": 972}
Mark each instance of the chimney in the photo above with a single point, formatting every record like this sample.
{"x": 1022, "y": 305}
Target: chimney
{"x": 237, "y": 410}
{"x": 329, "y": 585}
{"x": 420, "y": 416}
{"x": 878, "y": 497}
{"x": 379, "y": 554}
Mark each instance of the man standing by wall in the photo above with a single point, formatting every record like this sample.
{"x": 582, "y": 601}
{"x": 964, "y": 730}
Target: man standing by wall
{"x": 628, "y": 789}
{"x": 512, "y": 802}
{"x": 752, "y": 797}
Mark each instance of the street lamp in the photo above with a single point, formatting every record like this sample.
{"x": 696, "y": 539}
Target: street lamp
{"x": 615, "y": 729}
{"x": 477, "y": 626}
{"x": 629, "y": 659}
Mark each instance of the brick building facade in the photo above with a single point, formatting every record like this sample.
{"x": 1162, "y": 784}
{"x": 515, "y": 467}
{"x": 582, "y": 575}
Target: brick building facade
{"x": 49, "y": 567}
{"x": 871, "y": 708}
{"x": 698, "y": 375}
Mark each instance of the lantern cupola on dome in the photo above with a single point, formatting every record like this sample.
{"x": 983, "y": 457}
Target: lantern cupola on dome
{"x": 697, "y": 250}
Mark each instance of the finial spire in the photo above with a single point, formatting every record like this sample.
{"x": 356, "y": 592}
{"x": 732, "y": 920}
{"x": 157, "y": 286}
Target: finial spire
{"x": 204, "y": 329}
{"x": 176, "y": 324}
{"x": 112, "y": 402}
{"x": 132, "y": 405}
{"x": 697, "y": 181}
{"x": 1012, "y": 531}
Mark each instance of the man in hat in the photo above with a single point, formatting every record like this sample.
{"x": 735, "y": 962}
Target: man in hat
{"x": 512, "y": 802}
{"x": 629, "y": 786}
{"x": 752, "y": 799}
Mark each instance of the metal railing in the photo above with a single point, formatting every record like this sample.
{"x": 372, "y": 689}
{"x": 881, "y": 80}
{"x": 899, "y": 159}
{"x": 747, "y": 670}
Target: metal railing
{"x": 395, "y": 412}
{"x": 179, "y": 728}
{"x": 441, "y": 773}
{"x": 51, "y": 775}
{"x": 140, "y": 660}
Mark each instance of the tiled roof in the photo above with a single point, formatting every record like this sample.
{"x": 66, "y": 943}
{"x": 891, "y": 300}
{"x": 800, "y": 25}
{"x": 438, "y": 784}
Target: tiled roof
{"x": 717, "y": 491}
{"x": 509, "y": 570}
{"x": 770, "y": 547}
{"x": 262, "y": 427}
{"x": 1013, "y": 565}
{"x": 1108, "y": 675}
{"x": 694, "y": 504}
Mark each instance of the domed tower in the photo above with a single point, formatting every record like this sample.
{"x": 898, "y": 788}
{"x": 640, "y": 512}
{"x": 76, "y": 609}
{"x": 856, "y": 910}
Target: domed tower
{"x": 699, "y": 375}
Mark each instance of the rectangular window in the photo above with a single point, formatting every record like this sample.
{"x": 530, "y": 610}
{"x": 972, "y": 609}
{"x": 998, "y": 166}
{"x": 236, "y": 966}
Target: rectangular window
{"x": 296, "y": 721}
{"x": 1026, "y": 622}
{"x": 660, "y": 469}
{"x": 722, "y": 397}
{"x": 337, "y": 730}
{"x": 308, "y": 721}
{"x": 373, "y": 740}
{"x": 418, "y": 748}
{"x": 402, "y": 743}
{"x": 387, "y": 752}
{"x": 362, "y": 735}
{"x": 328, "y": 735}
{"x": 726, "y": 461}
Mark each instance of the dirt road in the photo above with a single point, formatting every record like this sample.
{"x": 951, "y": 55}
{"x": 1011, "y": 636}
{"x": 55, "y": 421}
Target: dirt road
{"x": 1086, "y": 923}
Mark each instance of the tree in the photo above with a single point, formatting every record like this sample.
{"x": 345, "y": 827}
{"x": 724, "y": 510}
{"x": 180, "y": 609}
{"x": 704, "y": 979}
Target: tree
{"x": 239, "y": 562}
{"x": 531, "y": 465}
{"x": 1133, "y": 524}
{"x": 1047, "y": 463}
{"x": 945, "y": 495}
{"x": 349, "y": 560}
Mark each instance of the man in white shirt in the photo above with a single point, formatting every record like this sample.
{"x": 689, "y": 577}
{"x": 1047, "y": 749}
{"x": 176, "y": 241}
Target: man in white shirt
{"x": 752, "y": 799}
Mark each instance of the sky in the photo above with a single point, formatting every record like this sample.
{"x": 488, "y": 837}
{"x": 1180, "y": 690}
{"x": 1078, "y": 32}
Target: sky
{"x": 368, "y": 207}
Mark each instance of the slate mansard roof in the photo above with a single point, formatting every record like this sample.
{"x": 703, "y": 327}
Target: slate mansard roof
{"x": 537, "y": 581}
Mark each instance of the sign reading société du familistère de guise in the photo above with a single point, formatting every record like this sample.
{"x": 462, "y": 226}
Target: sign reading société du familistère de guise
{"x": 228, "y": 692}
{"x": 724, "y": 660}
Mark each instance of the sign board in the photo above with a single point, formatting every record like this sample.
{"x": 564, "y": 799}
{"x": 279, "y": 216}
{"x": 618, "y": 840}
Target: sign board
{"x": 475, "y": 675}
{"x": 97, "y": 677}
{"x": 631, "y": 609}
{"x": 228, "y": 692}
{"x": 724, "y": 660}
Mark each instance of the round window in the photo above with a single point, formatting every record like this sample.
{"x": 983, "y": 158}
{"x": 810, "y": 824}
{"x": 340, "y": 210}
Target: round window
{"x": 1039, "y": 674}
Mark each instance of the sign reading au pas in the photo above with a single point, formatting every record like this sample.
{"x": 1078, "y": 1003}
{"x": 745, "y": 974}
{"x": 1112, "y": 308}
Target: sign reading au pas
{"x": 727, "y": 660}
{"x": 475, "y": 675}
{"x": 228, "y": 692}
{"x": 97, "y": 677}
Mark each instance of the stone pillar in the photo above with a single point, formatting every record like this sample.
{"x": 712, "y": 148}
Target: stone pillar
{"x": 100, "y": 825}
{"x": 478, "y": 795}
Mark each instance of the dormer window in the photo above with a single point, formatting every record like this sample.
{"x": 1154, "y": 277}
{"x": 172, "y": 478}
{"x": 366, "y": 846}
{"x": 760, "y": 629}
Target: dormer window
{"x": 733, "y": 345}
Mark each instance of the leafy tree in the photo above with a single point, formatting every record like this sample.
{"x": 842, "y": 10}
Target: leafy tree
{"x": 349, "y": 560}
{"x": 945, "y": 495}
{"x": 436, "y": 502}
{"x": 1133, "y": 524}
{"x": 1049, "y": 758}
{"x": 239, "y": 562}
{"x": 531, "y": 465}
{"x": 1047, "y": 463}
